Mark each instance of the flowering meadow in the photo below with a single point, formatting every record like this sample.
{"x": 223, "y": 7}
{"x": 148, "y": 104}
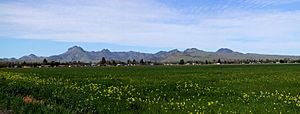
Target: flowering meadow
{"x": 152, "y": 89}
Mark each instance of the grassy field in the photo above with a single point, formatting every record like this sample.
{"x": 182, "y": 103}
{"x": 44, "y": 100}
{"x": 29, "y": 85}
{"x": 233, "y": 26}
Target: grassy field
{"x": 157, "y": 89}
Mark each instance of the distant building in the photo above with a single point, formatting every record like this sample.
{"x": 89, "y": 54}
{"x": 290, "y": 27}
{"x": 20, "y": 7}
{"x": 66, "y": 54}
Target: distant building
{"x": 61, "y": 65}
{"x": 26, "y": 66}
{"x": 44, "y": 66}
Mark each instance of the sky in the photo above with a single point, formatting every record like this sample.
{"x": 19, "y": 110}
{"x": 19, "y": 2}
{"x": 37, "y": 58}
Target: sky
{"x": 49, "y": 27}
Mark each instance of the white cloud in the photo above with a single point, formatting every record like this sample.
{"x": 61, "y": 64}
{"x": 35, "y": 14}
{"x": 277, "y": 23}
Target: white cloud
{"x": 150, "y": 23}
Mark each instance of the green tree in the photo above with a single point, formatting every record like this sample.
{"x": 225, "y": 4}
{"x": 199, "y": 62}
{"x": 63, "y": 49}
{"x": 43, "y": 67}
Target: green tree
{"x": 142, "y": 61}
{"x": 114, "y": 62}
{"x": 206, "y": 62}
{"x": 24, "y": 63}
{"x": 181, "y": 62}
{"x": 128, "y": 61}
{"x": 45, "y": 61}
{"x": 103, "y": 61}
{"x": 134, "y": 61}
{"x": 219, "y": 61}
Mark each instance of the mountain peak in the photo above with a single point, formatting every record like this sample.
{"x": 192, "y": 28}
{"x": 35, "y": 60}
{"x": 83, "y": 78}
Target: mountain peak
{"x": 174, "y": 50}
{"x": 33, "y": 56}
{"x": 75, "y": 48}
{"x": 29, "y": 57}
{"x": 191, "y": 50}
{"x": 225, "y": 50}
{"x": 105, "y": 50}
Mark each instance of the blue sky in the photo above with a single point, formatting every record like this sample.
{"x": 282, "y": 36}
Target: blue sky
{"x": 47, "y": 27}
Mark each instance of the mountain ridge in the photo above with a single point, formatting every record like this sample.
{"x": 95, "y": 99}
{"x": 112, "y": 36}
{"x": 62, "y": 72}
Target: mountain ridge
{"x": 77, "y": 53}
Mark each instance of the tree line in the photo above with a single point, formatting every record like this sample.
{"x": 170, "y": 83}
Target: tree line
{"x": 133, "y": 62}
{"x": 102, "y": 62}
{"x": 240, "y": 61}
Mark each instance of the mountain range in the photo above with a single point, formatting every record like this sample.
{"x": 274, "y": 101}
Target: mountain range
{"x": 77, "y": 53}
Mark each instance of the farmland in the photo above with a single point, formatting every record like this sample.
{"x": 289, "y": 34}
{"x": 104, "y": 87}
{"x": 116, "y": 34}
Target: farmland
{"x": 152, "y": 89}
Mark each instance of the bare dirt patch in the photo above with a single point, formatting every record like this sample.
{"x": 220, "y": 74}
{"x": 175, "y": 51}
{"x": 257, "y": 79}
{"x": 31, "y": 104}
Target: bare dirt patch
{"x": 3, "y": 111}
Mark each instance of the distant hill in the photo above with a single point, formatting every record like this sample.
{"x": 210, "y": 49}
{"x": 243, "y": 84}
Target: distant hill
{"x": 31, "y": 58}
{"x": 76, "y": 53}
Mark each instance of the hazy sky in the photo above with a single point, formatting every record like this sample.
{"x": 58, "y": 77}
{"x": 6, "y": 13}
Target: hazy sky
{"x": 46, "y": 27}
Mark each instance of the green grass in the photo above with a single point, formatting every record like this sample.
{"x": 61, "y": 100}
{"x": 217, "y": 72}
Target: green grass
{"x": 156, "y": 89}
